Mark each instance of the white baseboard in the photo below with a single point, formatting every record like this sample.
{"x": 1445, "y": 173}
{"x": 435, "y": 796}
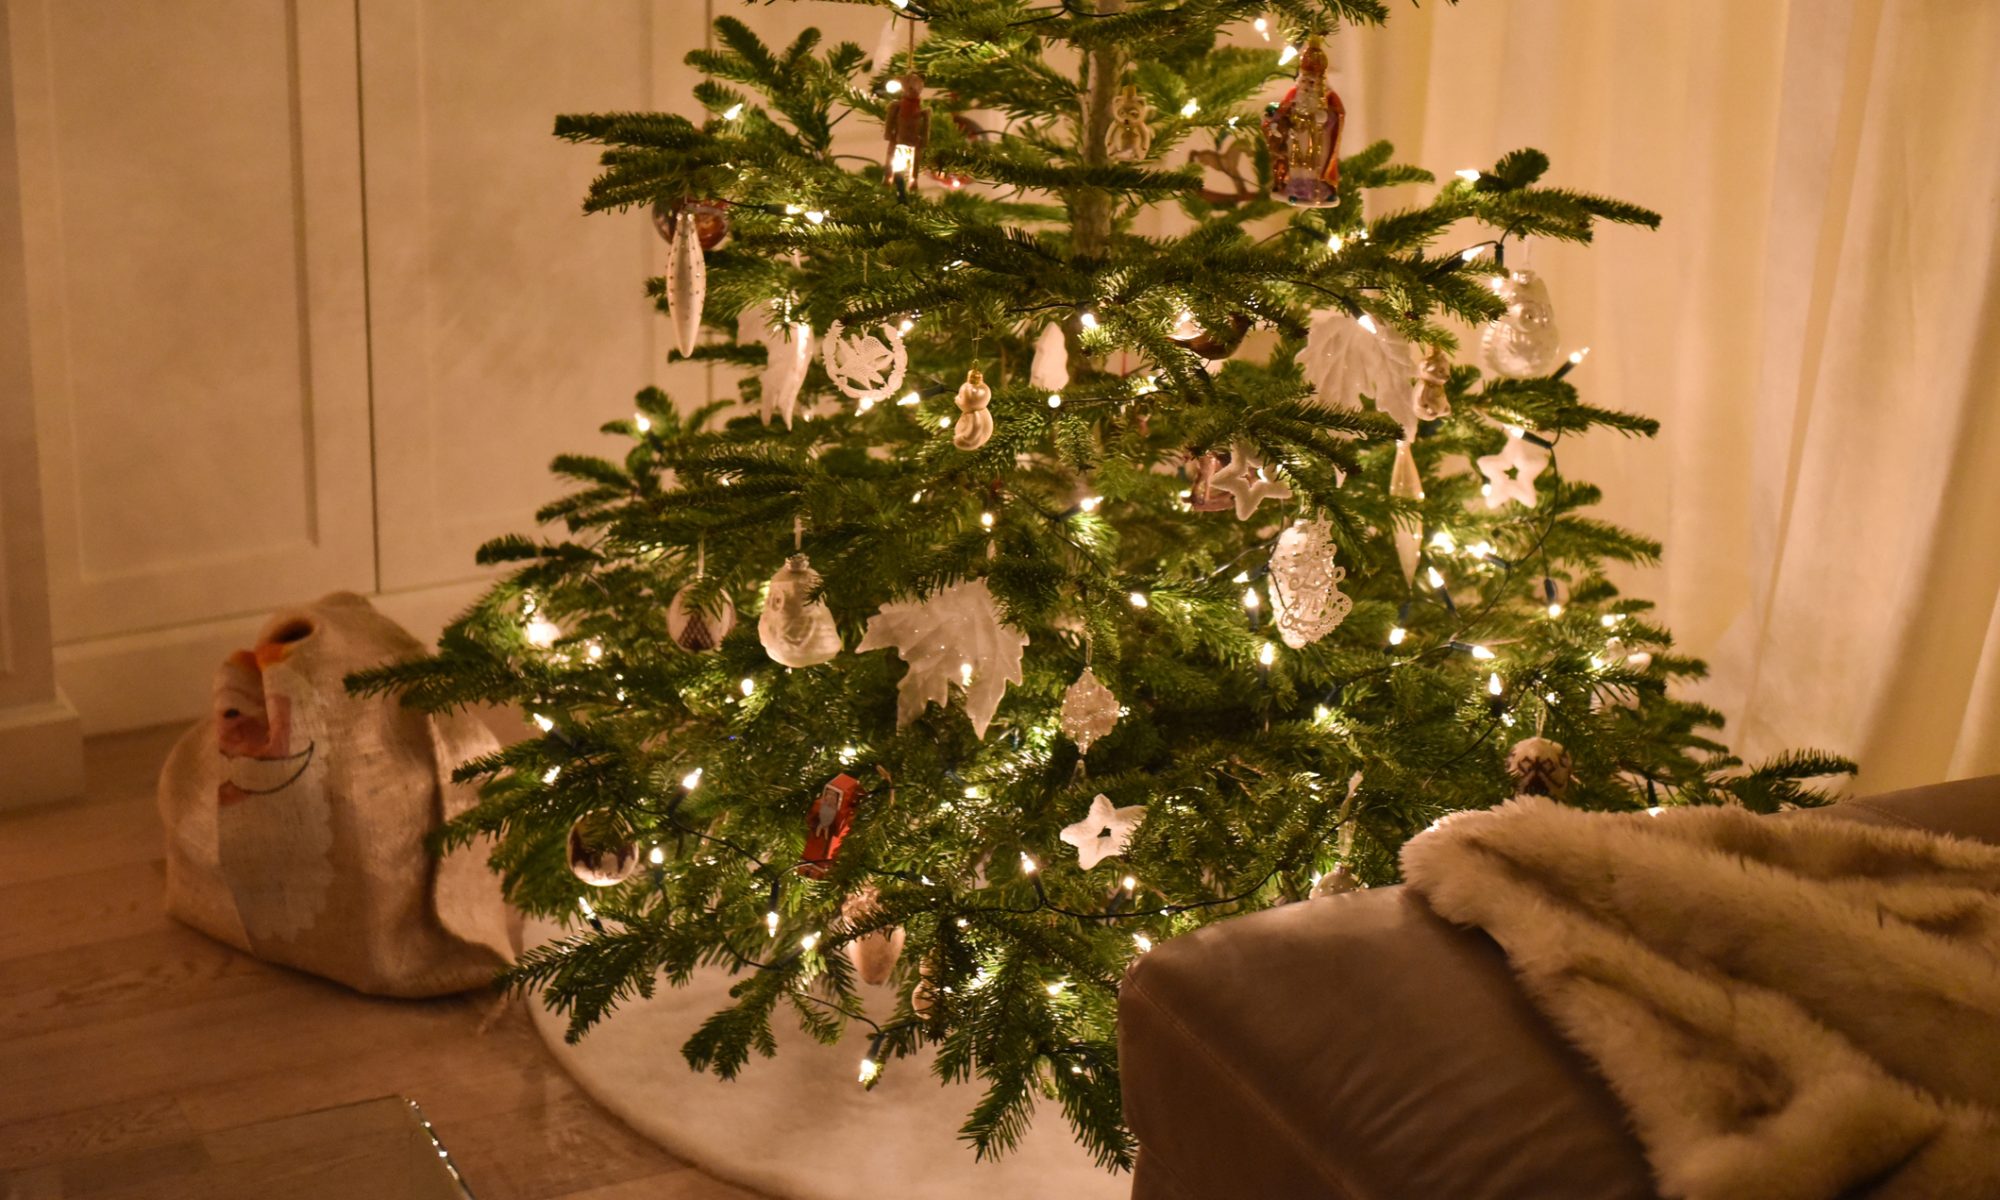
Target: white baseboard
{"x": 41, "y": 753}
{"x": 137, "y": 680}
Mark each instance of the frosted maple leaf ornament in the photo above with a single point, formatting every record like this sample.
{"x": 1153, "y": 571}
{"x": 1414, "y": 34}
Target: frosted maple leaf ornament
{"x": 864, "y": 366}
{"x": 1105, "y": 831}
{"x": 954, "y": 637}
{"x": 1346, "y": 358}
{"x": 1511, "y": 474}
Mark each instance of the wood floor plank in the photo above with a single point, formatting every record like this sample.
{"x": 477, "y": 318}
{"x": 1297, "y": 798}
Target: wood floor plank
{"x": 133, "y": 1050}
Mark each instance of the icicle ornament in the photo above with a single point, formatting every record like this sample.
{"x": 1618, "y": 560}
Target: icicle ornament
{"x": 1406, "y": 483}
{"x": 687, "y": 285}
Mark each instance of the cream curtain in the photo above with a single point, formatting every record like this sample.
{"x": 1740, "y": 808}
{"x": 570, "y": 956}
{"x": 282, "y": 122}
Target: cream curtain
{"x": 1817, "y": 324}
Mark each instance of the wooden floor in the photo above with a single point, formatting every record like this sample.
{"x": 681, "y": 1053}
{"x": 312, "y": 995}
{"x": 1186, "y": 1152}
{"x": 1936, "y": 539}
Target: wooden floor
{"x": 124, "y": 1037}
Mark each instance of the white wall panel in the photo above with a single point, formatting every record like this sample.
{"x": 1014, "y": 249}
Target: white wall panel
{"x": 505, "y": 326}
{"x": 191, "y": 209}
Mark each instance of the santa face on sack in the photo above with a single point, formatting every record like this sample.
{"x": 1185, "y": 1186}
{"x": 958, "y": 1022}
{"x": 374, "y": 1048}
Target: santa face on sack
{"x": 274, "y": 824}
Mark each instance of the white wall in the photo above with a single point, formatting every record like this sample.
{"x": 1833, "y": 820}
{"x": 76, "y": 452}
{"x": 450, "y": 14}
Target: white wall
{"x": 311, "y": 302}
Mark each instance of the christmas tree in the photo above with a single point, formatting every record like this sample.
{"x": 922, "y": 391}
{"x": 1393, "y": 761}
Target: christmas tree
{"x": 1094, "y": 585}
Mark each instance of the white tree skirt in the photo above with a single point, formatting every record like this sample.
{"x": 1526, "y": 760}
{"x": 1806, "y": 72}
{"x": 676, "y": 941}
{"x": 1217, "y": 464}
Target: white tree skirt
{"x": 799, "y": 1126}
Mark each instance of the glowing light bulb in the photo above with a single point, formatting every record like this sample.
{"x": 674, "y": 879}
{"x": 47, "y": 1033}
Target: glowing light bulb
{"x": 1443, "y": 541}
{"x": 1056, "y": 988}
{"x": 908, "y": 399}
{"x": 594, "y": 651}
{"x": 944, "y": 422}
{"x": 1482, "y": 654}
{"x": 869, "y": 1067}
{"x": 656, "y": 856}
{"x": 1190, "y": 108}
{"x": 1610, "y": 620}
{"x": 692, "y": 779}
{"x": 771, "y": 923}
{"x": 1493, "y": 684}
{"x": 1470, "y": 253}
{"x": 642, "y": 422}
{"x": 1578, "y": 357}
{"x": 1469, "y": 174}
{"x": 1087, "y": 319}
{"x": 986, "y": 520}
{"x": 1287, "y": 55}
{"x": 866, "y": 403}
{"x": 816, "y": 216}
{"x": 1055, "y": 399}
{"x": 809, "y": 941}
{"x": 1028, "y": 866}
{"x": 732, "y": 112}
{"x": 1138, "y": 599}
{"x": 1555, "y": 610}
{"x": 906, "y": 324}
{"x": 551, "y": 775}
{"x": 1435, "y": 576}
{"x": 893, "y": 86}
{"x": 1130, "y": 882}
{"x": 1263, "y": 27}
{"x": 793, "y": 210}
{"x": 584, "y": 907}
{"x": 748, "y": 685}
{"x": 1250, "y": 599}
{"x": 1366, "y": 322}
{"x": 965, "y": 673}
{"x": 1396, "y": 635}
{"x": 1267, "y": 654}
{"x": 543, "y": 723}
{"x": 542, "y": 633}
{"x": 1090, "y": 503}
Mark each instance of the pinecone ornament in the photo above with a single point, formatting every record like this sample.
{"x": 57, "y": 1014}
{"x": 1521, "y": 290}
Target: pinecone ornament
{"x": 1539, "y": 767}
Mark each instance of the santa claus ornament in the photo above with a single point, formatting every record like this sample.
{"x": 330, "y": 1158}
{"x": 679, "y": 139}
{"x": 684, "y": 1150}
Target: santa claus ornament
{"x": 828, "y": 819}
{"x": 1302, "y": 132}
{"x": 905, "y": 129}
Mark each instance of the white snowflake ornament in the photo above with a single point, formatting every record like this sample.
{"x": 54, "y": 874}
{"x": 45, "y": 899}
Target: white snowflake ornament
{"x": 1510, "y": 474}
{"x": 1104, "y": 832}
{"x": 1306, "y": 600}
{"x": 864, "y": 366}
{"x": 687, "y": 285}
{"x": 955, "y": 637}
{"x": 1049, "y": 371}
{"x": 1089, "y": 710}
{"x": 1245, "y": 478}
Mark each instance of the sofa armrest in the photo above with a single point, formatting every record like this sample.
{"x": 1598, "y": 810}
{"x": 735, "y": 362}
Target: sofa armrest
{"x": 1358, "y": 1047}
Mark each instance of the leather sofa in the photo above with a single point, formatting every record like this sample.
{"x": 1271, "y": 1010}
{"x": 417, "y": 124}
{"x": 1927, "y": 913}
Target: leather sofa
{"x": 1359, "y": 1047}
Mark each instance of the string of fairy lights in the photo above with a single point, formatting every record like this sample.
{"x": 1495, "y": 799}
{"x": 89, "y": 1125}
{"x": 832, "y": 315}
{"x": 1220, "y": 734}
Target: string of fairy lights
{"x": 1441, "y": 552}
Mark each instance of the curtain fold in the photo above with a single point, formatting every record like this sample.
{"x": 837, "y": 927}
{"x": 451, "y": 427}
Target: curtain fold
{"x": 1816, "y": 323}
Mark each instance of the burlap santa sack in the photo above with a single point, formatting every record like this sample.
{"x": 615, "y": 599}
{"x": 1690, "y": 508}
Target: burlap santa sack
{"x": 296, "y": 816}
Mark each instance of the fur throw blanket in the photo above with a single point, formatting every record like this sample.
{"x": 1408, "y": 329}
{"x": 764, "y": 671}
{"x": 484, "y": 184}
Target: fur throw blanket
{"x": 1790, "y": 1009}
